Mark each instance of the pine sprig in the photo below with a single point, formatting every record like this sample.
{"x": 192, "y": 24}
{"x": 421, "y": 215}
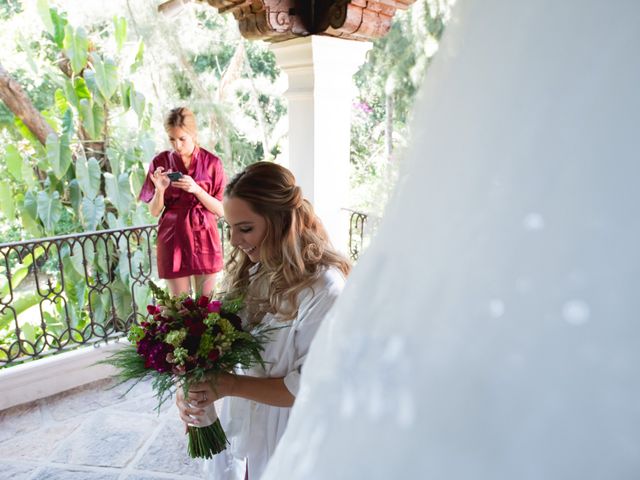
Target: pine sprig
{"x": 130, "y": 366}
{"x": 232, "y": 306}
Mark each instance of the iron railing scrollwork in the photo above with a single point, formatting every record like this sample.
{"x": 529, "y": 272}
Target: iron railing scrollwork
{"x": 361, "y": 228}
{"x": 61, "y": 292}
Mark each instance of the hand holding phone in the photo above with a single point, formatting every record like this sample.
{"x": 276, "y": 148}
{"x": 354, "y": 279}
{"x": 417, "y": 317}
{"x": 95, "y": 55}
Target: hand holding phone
{"x": 173, "y": 176}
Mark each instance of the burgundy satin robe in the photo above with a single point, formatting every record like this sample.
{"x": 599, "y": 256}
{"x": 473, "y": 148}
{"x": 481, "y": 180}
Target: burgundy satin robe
{"x": 188, "y": 239}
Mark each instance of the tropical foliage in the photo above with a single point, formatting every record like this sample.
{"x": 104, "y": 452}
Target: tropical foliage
{"x": 200, "y": 60}
{"x": 387, "y": 85}
{"x": 86, "y": 173}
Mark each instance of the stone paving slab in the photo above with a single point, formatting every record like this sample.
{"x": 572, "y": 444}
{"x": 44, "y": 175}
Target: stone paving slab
{"x": 163, "y": 456}
{"x": 37, "y": 445}
{"x": 19, "y": 419}
{"x": 94, "y": 433}
{"x": 109, "y": 440}
{"x": 16, "y": 471}
{"x": 53, "y": 473}
{"x": 157, "y": 476}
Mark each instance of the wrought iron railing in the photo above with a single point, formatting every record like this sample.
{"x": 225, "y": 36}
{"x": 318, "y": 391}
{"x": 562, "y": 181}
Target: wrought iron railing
{"x": 62, "y": 292}
{"x": 360, "y": 232}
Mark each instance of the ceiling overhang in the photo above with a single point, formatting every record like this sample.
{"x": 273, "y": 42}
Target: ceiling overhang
{"x": 279, "y": 20}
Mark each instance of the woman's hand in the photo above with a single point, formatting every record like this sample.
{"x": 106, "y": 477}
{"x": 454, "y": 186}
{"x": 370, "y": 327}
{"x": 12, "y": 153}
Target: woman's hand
{"x": 201, "y": 395}
{"x": 189, "y": 410}
{"x": 187, "y": 184}
{"x": 160, "y": 179}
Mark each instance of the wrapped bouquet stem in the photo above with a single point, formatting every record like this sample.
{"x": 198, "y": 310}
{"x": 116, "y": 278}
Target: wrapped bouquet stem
{"x": 207, "y": 438}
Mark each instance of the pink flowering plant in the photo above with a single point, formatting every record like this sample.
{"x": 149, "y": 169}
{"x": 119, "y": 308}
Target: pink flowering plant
{"x": 184, "y": 340}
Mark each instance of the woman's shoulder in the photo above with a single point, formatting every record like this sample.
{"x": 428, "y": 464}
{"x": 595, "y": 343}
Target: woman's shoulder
{"x": 315, "y": 300}
{"x": 162, "y": 158}
{"x": 208, "y": 157}
{"x": 330, "y": 276}
{"x": 329, "y": 282}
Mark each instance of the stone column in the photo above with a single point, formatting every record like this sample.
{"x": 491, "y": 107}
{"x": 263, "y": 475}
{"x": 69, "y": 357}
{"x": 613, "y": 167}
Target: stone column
{"x": 320, "y": 86}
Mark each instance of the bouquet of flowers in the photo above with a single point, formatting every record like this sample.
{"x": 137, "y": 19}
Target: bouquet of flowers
{"x": 183, "y": 341}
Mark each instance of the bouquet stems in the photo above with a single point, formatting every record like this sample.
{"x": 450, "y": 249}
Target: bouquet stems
{"x": 205, "y": 442}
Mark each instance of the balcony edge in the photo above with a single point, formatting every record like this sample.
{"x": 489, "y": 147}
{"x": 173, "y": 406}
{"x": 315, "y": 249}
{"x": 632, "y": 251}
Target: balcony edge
{"x": 47, "y": 376}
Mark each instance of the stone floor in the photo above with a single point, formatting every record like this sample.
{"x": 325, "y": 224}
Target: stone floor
{"x": 94, "y": 433}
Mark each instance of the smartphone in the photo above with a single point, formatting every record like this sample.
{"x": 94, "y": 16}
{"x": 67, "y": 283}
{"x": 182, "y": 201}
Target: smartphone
{"x": 173, "y": 176}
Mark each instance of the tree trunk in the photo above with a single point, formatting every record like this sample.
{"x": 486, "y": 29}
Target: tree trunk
{"x": 388, "y": 127}
{"x": 19, "y": 103}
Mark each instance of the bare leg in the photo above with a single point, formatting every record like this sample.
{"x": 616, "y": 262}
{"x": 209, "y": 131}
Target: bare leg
{"x": 205, "y": 284}
{"x": 179, "y": 285}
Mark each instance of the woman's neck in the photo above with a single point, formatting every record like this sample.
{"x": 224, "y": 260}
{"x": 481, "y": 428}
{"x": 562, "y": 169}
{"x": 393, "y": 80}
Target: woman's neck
{"x": 186, "y": 159}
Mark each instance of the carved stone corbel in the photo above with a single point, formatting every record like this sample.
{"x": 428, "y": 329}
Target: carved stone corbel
{"x": 270, "y": 20}
{"x": 278, "y": 20}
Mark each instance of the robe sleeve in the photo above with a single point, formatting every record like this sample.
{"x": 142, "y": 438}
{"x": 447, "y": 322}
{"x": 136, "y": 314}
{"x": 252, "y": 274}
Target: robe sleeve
{"x": 148, "y": 187}
{"x": 312, "y": 310}
{"x": 219, "y": 180}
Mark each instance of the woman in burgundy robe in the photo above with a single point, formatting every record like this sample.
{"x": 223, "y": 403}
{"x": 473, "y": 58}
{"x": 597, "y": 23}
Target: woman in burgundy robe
{"x": 188, "y": 243}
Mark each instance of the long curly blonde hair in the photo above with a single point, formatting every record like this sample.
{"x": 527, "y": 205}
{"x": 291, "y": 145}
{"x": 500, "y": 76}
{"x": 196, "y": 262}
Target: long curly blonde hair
{"x": 296, "y": 247}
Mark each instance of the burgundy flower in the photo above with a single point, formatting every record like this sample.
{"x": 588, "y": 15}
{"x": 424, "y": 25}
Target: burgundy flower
{"x": 214, "y": 307}
{"x": 196, "y": 327}
{"x": 157, "y": 358}
{"x": 203, "y": 301}
{"x": 214, "y": 355}
{"x": 143, "y": 347}
{"x": 153, "y": 309}
{"x": 189, "y": 303}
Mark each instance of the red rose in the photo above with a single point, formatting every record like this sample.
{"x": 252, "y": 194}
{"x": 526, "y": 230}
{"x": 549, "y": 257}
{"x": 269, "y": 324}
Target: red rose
{"x": 214, "y": 355}
{"x": 153, "y": 309}
{"x": 203, "y": 301}
{"x": 189, "y": 303}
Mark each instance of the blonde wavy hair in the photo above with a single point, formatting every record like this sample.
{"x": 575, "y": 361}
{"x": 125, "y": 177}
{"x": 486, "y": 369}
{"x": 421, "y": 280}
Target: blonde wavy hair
{"x": 296, "y": 247}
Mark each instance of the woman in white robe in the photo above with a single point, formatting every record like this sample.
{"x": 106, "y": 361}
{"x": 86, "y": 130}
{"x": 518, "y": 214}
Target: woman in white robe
{"x": 284, "y": 265}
